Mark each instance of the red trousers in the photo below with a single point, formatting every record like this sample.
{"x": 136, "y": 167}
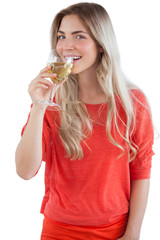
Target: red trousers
{"x": 58, "y": 231}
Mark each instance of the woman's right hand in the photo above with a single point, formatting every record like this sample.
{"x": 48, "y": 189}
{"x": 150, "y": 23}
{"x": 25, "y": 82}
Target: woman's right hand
{"x": 39, "y": 89}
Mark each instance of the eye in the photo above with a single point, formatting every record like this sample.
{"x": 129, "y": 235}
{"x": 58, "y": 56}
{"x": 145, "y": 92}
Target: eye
{"x": 80, "y": 37}
{"x": 60, "y": 37}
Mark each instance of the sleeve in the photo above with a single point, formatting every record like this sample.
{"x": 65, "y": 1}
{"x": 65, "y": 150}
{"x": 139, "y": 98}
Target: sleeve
{"x": 143, "y": 137}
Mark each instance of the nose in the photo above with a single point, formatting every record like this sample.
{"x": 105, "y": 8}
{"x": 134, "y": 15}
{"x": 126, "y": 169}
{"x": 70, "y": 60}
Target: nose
{"x": 68, "y": 44}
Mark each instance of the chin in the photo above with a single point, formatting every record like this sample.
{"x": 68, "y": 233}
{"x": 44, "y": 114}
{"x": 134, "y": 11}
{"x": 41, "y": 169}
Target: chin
{"x": 74, "y": 72}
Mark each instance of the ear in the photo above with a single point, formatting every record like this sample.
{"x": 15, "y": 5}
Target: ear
{"x": 101, "y": 49}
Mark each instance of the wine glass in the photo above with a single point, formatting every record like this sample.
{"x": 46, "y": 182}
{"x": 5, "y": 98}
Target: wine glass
{"x": 62, "y": 68}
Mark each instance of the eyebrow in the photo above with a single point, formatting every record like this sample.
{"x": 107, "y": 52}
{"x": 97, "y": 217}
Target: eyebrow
{"x": 75, "y": 32}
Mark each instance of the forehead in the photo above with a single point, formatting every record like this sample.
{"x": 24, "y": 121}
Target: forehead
{"x": 71, "y": 23}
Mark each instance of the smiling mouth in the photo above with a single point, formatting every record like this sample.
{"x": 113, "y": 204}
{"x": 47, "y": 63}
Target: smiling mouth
{"x": 74, "y": 58}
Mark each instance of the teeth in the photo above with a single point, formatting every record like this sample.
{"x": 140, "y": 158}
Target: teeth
{"x": 76, "y": 58}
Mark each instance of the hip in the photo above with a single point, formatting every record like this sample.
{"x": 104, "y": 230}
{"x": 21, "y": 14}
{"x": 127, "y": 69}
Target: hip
{"x": 53, "y": 230}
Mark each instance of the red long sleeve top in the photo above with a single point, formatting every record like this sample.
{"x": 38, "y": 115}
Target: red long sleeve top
{"x": 96, "y": 189}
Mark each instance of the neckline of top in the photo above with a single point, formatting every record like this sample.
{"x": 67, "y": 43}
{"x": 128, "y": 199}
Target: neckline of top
{"x": 95, "y": 105}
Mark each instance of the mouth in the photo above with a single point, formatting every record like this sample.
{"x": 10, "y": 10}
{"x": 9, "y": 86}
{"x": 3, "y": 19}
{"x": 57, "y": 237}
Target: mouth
{"x": 73, "y": 58}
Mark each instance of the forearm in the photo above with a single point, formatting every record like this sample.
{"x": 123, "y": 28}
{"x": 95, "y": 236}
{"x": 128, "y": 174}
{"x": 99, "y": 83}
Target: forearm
{"x": 29, "y": 151}
{"x": 138, "y": 202}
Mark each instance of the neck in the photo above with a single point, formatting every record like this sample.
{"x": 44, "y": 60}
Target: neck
{"x": 89, "y": 89}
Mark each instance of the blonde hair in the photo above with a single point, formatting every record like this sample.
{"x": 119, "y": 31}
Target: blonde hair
{"x": 75, "y": 126}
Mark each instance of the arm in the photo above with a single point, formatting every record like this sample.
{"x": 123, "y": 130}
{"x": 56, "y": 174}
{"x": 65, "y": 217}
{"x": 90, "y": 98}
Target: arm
{"x": 29, "y": 151}
{"x": 138, "y": 202}
{"x": 28, "y": 155}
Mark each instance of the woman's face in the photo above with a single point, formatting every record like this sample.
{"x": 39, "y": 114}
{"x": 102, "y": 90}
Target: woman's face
{"x": 75, "y": 41}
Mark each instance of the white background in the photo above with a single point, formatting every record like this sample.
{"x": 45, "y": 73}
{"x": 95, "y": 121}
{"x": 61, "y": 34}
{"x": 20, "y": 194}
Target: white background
{"x": 24, "y": 30}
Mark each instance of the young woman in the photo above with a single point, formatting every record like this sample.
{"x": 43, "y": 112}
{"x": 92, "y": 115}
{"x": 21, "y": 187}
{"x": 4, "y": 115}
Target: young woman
{"x": 98, "y": 148}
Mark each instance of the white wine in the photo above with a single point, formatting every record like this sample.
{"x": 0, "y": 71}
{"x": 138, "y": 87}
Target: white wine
{"x": 62, "y": 69}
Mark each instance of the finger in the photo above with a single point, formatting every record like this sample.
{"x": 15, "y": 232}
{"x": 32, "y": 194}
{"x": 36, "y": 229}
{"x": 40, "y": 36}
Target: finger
{"x": 41, "y": 85}
{"x": 47, "y": 68}
{"x": 33, "y": 88}
{"x": 44, "y": 84}
{"x": 38, "y": 83}
{"x": 45, "y": 81}
{"x": 47, "y": 75}
{"x": 41, "y": 80}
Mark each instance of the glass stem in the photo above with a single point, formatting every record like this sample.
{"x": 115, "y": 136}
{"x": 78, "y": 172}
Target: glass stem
{"x": 53, "y": 91}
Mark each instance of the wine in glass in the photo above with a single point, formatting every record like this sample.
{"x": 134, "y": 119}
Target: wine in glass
{"x": 62, "y": 68}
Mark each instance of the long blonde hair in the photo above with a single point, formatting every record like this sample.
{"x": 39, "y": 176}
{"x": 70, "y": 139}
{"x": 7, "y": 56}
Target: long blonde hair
{"x": 75, "y": 126}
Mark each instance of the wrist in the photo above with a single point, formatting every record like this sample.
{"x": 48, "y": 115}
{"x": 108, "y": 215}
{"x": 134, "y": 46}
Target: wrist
{"x": 39, "y": 108}
{"x": 132, "y": 234}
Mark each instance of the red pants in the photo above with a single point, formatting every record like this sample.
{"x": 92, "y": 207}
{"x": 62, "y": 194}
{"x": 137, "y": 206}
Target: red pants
{"x": 58, "y": 231}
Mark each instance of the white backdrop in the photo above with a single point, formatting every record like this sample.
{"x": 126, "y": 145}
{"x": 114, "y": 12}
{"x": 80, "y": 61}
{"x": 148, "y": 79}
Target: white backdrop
{"x": 24, "y": 47}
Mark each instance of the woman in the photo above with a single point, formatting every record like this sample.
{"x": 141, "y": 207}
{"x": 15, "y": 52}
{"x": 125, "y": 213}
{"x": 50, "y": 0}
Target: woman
{"x": 98, "y": 149}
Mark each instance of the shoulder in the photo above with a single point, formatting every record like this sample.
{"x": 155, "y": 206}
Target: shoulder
{"x": 138, "y": 98}
{"x": 141, "y": 107}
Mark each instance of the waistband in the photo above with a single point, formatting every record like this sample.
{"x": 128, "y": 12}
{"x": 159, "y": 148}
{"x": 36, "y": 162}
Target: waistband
{"x": 63, "y": 231}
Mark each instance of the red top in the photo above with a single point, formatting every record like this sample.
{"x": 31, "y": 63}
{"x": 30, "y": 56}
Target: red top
{"x": 96, "y": 189}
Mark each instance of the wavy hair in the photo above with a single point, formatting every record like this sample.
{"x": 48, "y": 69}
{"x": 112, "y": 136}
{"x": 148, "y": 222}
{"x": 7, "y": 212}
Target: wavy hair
{"x": 75, "y": 124}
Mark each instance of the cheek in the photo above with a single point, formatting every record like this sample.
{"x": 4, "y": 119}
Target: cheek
{"x": 84, "y": 47}
{"x": 59, "y": 48}
{"x": 90, "y": 48}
